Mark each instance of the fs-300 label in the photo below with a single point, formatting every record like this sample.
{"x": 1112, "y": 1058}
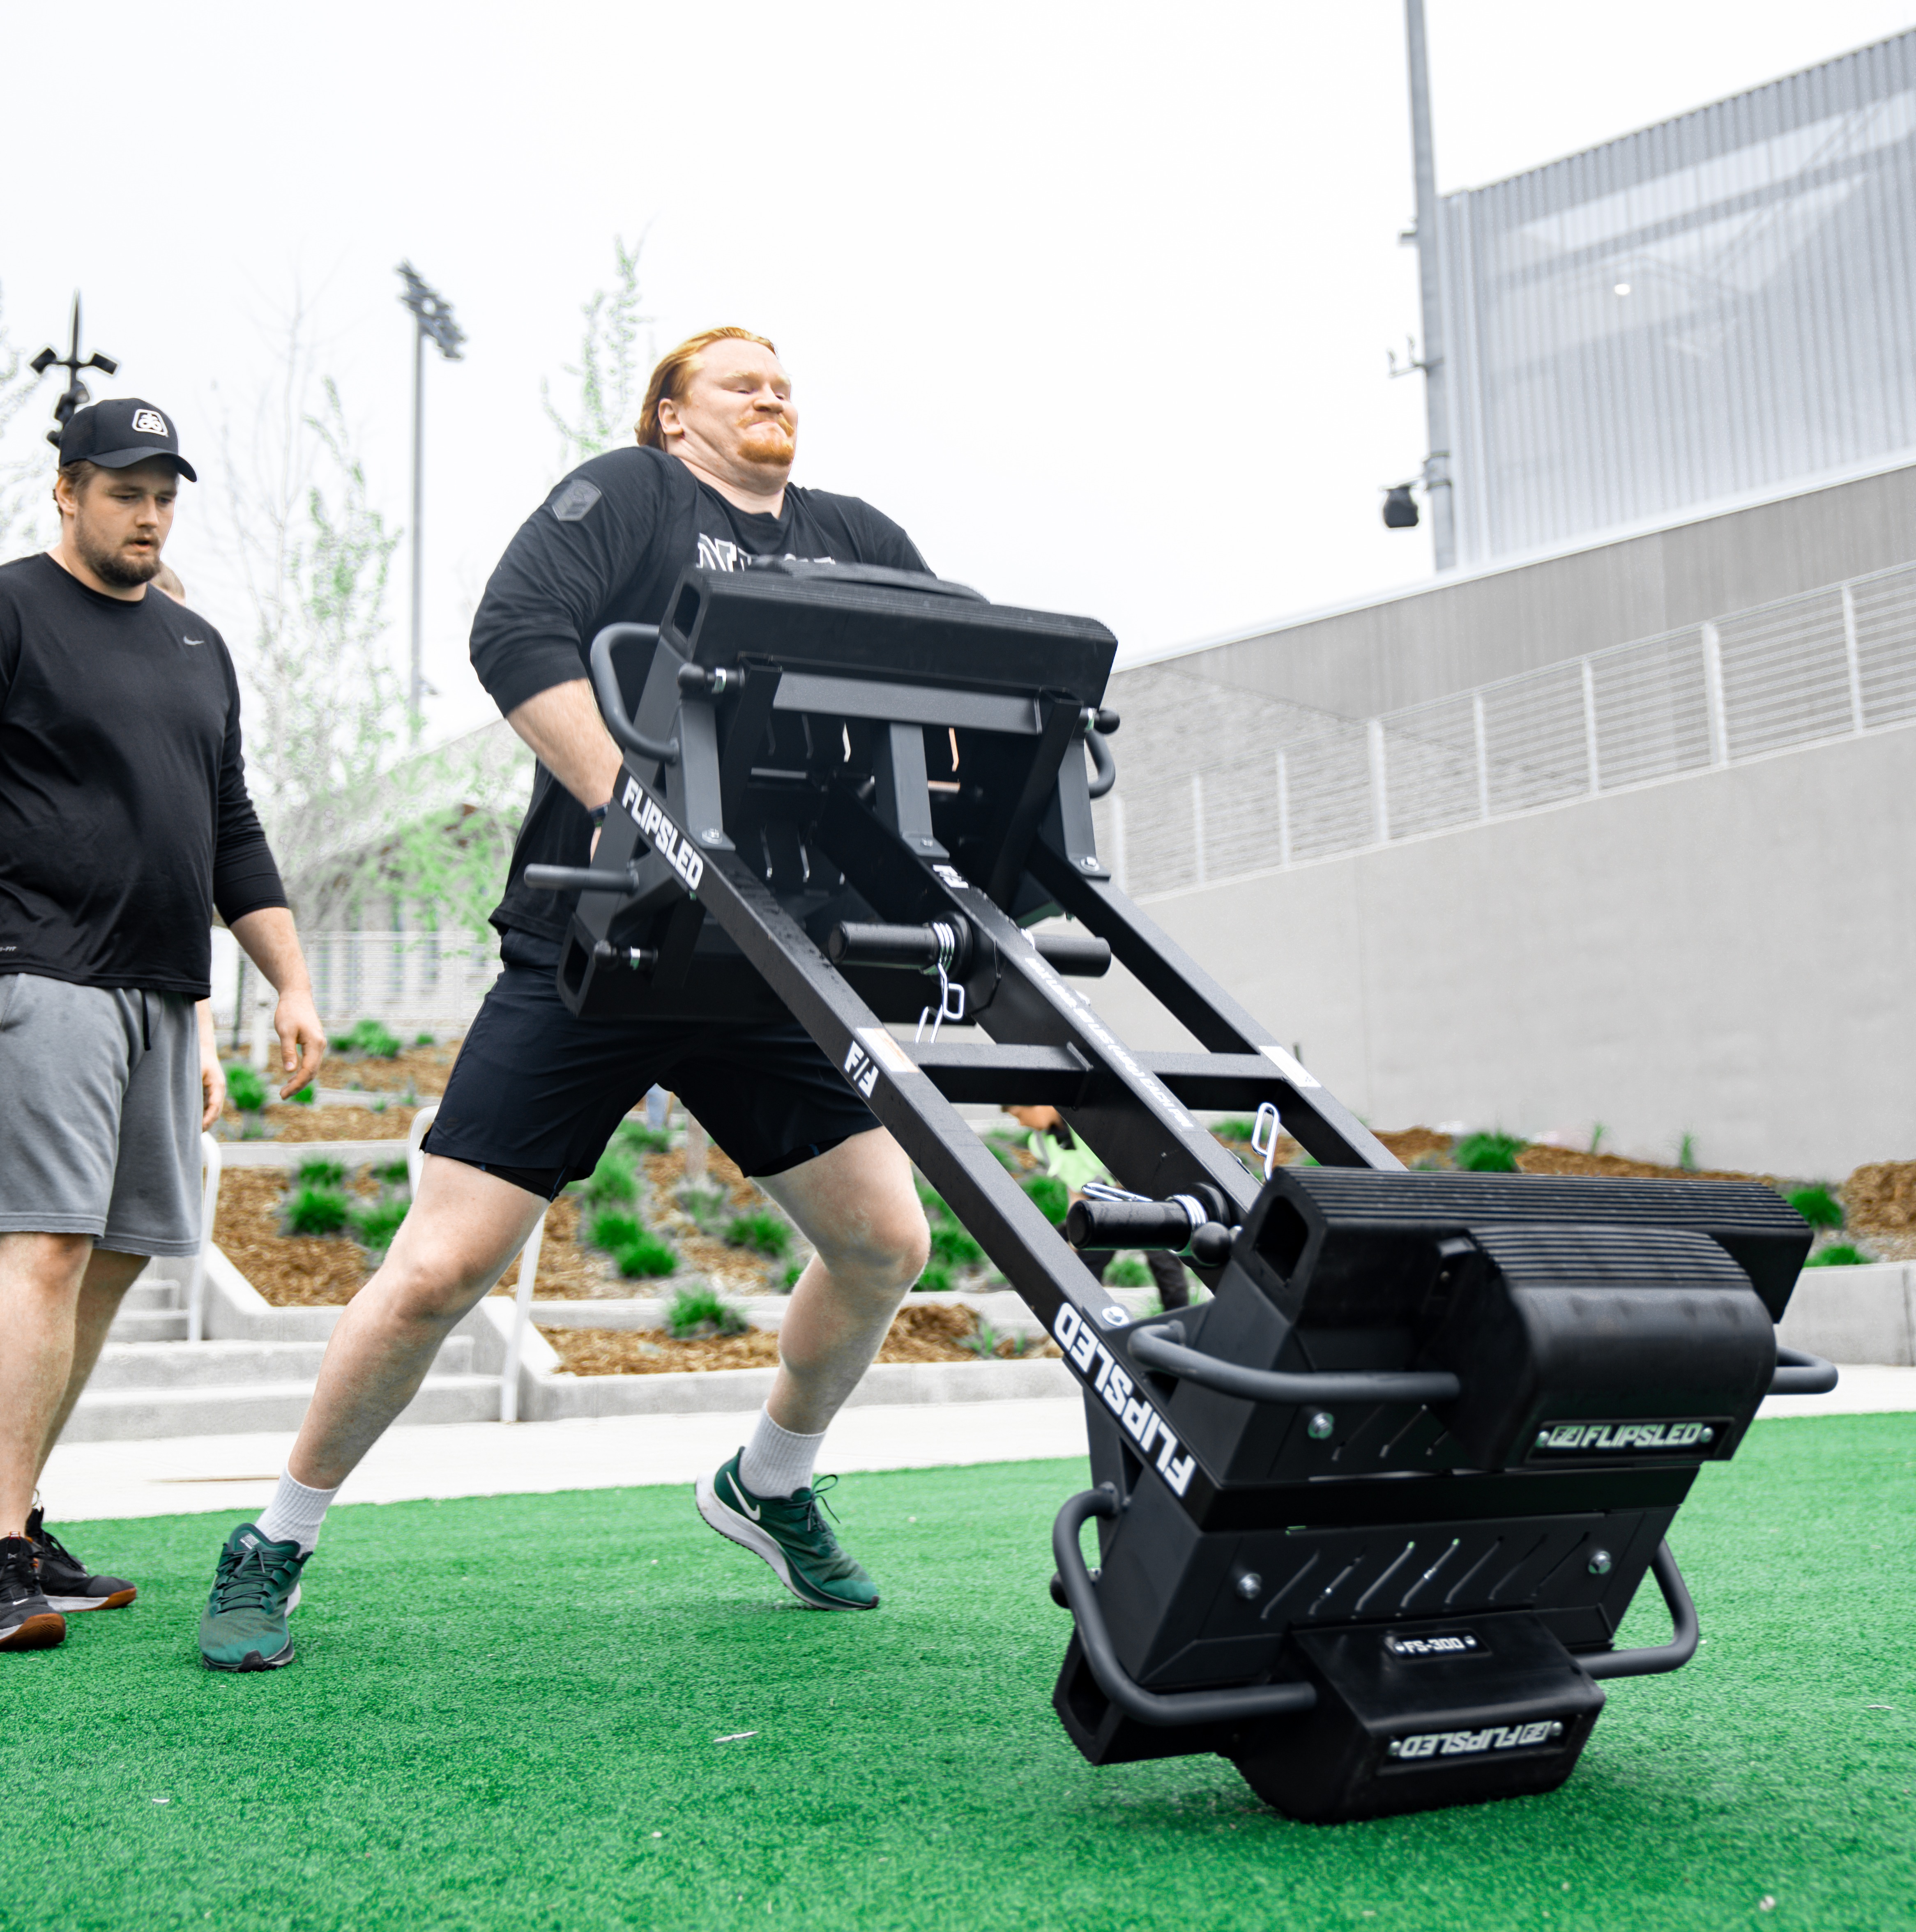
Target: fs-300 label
{"x": 656, "y": 827}
{"x": 1135, "y": 1416}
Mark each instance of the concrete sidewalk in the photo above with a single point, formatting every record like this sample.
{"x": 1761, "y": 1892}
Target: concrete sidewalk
{"x": 234, "y": 1475}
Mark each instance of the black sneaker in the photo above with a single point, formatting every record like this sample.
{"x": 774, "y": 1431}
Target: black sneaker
{"x": 66, "y": 1582}
{"x": 27, "y": 1621}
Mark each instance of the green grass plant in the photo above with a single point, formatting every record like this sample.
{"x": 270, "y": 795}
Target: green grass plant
{"x": 370, "y": 1037}
{"x": 709, "y": 1211}
{"x": 1050, "y": 1196}
{"x": 1127, "y": 1271}
{"x": 763, "y": 1232}
{"x": 424, "y": 1040}
{"x": 953, "y": 1247}
{"x": 1488, "y": 1153}
{"x": 316, "y": 1170}
{"x": 612, "y": 1180}
{"x": 646, "y": 1258}
{"x": 612, "y": 1231}
{"x": 1235, "y": 1128}
{"x": 425, "y": 1763}
{"x": 1687, "y": 1152}
{"x": 392, "y": 1174}
{"x": 789, "y": 1279}
{"x": 1838, "y": 1254}
{"x": 317, "y": 1211}
{"x": 375, "y": 1224}
{"x": 641, "y": 1137}
{"x": 700, "y": 1310}
{"x": 1818, "y": 1205}
{"x": 936, "y": 1279}
{"x": 245, "y": 1088}
{"x": 306, "y": 1097}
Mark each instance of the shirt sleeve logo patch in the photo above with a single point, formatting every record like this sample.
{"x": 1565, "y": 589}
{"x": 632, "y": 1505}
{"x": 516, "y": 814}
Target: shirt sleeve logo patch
{"x": 576, "y": 499}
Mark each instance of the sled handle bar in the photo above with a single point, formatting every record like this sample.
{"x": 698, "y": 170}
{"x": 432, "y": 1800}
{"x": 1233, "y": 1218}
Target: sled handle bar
{"x": 1800, "y": 1374}
{"x": 612, "y": 699}
{"x": 1163, "y": 1708}
{"x": 1157, "y": 1348}
{"x": 1671, "y": 1656}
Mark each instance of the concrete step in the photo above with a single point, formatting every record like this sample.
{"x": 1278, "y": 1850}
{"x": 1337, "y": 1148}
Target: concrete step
{"x": 151, "y": 1295}
{"x": 149, "y": 1325}
{"x": 134, "y": 1415}
{"x": 125, "y": 1366}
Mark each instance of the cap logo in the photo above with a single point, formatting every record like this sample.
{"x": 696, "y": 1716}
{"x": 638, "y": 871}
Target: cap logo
{"x": 151, "y": 422}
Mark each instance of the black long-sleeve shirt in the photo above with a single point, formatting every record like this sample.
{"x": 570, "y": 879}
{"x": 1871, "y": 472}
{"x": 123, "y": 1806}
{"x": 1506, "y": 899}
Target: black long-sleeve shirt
{"x": 606, "y": 548}
{"x": 124, "y": 819}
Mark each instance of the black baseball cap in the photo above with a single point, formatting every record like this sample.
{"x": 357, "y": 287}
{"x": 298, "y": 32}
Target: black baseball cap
{"x": 119, "y": 432}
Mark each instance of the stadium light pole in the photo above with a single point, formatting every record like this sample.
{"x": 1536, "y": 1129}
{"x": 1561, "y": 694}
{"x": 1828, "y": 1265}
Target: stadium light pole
{"x": 76, "y": 395}
{"x": 432, "y": 315}
{"x": 1430, "y": 268}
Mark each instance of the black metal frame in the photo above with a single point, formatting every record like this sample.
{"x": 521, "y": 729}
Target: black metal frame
{"x": 777, "y": 825}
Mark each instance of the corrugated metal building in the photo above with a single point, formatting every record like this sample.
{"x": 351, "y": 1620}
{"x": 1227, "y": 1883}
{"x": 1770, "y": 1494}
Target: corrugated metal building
{"x": 1723, "y": 304}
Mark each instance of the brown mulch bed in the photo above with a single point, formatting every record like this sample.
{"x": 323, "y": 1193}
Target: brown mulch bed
{"x": 1882, "y": 1197}
{"x": 284, "y": 1121}
{"x": 423, "y": 1070}
{"x": 290, "y": 1271}
{"x": 930, "y": 1334}
{"x": 1570, "y": 1160}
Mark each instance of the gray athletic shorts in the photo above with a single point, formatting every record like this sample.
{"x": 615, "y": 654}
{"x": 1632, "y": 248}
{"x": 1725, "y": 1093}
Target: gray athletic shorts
{"x": 100, "y": 1108}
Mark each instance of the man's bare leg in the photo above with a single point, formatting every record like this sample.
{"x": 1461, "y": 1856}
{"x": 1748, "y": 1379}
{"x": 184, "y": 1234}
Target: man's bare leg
{"x": 856, "y": 1206}
{"x": 102, "y": 1287}
{"x": 39, "y": 1281}
{"x": 462, "y": 1231}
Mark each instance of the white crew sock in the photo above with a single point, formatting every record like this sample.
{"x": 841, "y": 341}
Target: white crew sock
{"x": 295, "y": 1513}
{"x": 777, "y": 1462}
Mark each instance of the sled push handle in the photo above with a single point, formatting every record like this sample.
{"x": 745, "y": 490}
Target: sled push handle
{"x": 1158, "y": 1348}
{"x": 612, "y": 699}
{"x": 1167, "y": 1710}
{"x": 1799, "y": 1374}
{"x": 1671, "y": 1656}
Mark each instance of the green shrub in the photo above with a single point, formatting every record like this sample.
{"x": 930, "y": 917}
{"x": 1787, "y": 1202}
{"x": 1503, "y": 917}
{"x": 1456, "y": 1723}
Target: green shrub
{"x": 377, "y": 1042}
{"x": 952, "y": 1246}
{"x": 307, "y": 1096}
{"x": 698, "y": 1311}
{"x": 1234, "y": 1129}
{"x": 1839, "y": 1254}
{"x": 1818, "y": 1206}
{"x": 613, "y": 1231}
{"x": 315, "y": 1171}
{"x": 707, "y": 1208}
{"x": 1488, "y": 1153}
{"x": 612, "y": 1180}
{"x": 763, "y": 1232}
{"x": 393, "y": 1173}
{"x": 424, "y": 1040}
{"x": 1127, "y": 1271}
{"x": 1051, "y": 1197}
{"x": 789, "y": 1280}
{"x": 936, "y": 1279}
{"x": 245, "y": 1089}
{"x": 317, "y": 1211}
{"x": 647, "y": 1257}
{"x": 641, "y": 1136}
{"x": 376, "y": 1225}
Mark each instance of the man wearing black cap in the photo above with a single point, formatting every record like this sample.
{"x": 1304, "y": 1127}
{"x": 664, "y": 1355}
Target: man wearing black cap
{"x": 124, "y": 822}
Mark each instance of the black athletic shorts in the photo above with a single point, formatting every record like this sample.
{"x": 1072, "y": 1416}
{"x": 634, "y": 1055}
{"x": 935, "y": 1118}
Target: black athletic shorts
{"x": 536, "y": 1091}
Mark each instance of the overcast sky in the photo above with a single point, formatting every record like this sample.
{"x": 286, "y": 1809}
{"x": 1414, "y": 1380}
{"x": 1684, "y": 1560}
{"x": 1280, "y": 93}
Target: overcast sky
{"x": 1094, "y": 299}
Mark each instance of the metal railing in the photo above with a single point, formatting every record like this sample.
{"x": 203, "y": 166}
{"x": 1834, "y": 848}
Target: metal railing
{"x": 1835, "y": 663}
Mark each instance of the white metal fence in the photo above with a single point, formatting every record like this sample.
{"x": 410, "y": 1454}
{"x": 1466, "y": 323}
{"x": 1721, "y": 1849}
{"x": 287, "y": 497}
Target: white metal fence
{"x": 1830, "y": 664}
{"x": 413, "y": 982}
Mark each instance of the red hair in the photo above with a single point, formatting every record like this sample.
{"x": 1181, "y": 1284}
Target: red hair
{"x": 675, "y": 371}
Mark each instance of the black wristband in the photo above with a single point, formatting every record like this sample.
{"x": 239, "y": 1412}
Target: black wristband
{"x": 597, "y": 813}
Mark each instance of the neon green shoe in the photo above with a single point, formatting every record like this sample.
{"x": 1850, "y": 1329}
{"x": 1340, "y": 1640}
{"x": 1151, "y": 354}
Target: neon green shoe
{"x": 257, "y": 1588}
{"x": 792, "y": 1535}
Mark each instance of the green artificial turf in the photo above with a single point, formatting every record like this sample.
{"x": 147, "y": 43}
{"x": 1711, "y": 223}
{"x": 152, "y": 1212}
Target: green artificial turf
{"x": 507, "y": 1712}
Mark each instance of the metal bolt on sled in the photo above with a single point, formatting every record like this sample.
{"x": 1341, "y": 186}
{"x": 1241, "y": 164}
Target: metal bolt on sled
{"x": 1370, "y": 1518}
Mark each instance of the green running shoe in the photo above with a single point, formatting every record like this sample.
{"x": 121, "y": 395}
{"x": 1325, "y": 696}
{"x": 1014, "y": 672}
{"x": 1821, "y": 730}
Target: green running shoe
{"x": 257, "y": 1588}
{"x": 792, "y": 1535}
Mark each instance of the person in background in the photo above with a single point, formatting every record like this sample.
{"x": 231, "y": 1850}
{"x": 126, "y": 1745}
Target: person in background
{"x": 125, "y": 823}
{"x": 1066, "y": 1158}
